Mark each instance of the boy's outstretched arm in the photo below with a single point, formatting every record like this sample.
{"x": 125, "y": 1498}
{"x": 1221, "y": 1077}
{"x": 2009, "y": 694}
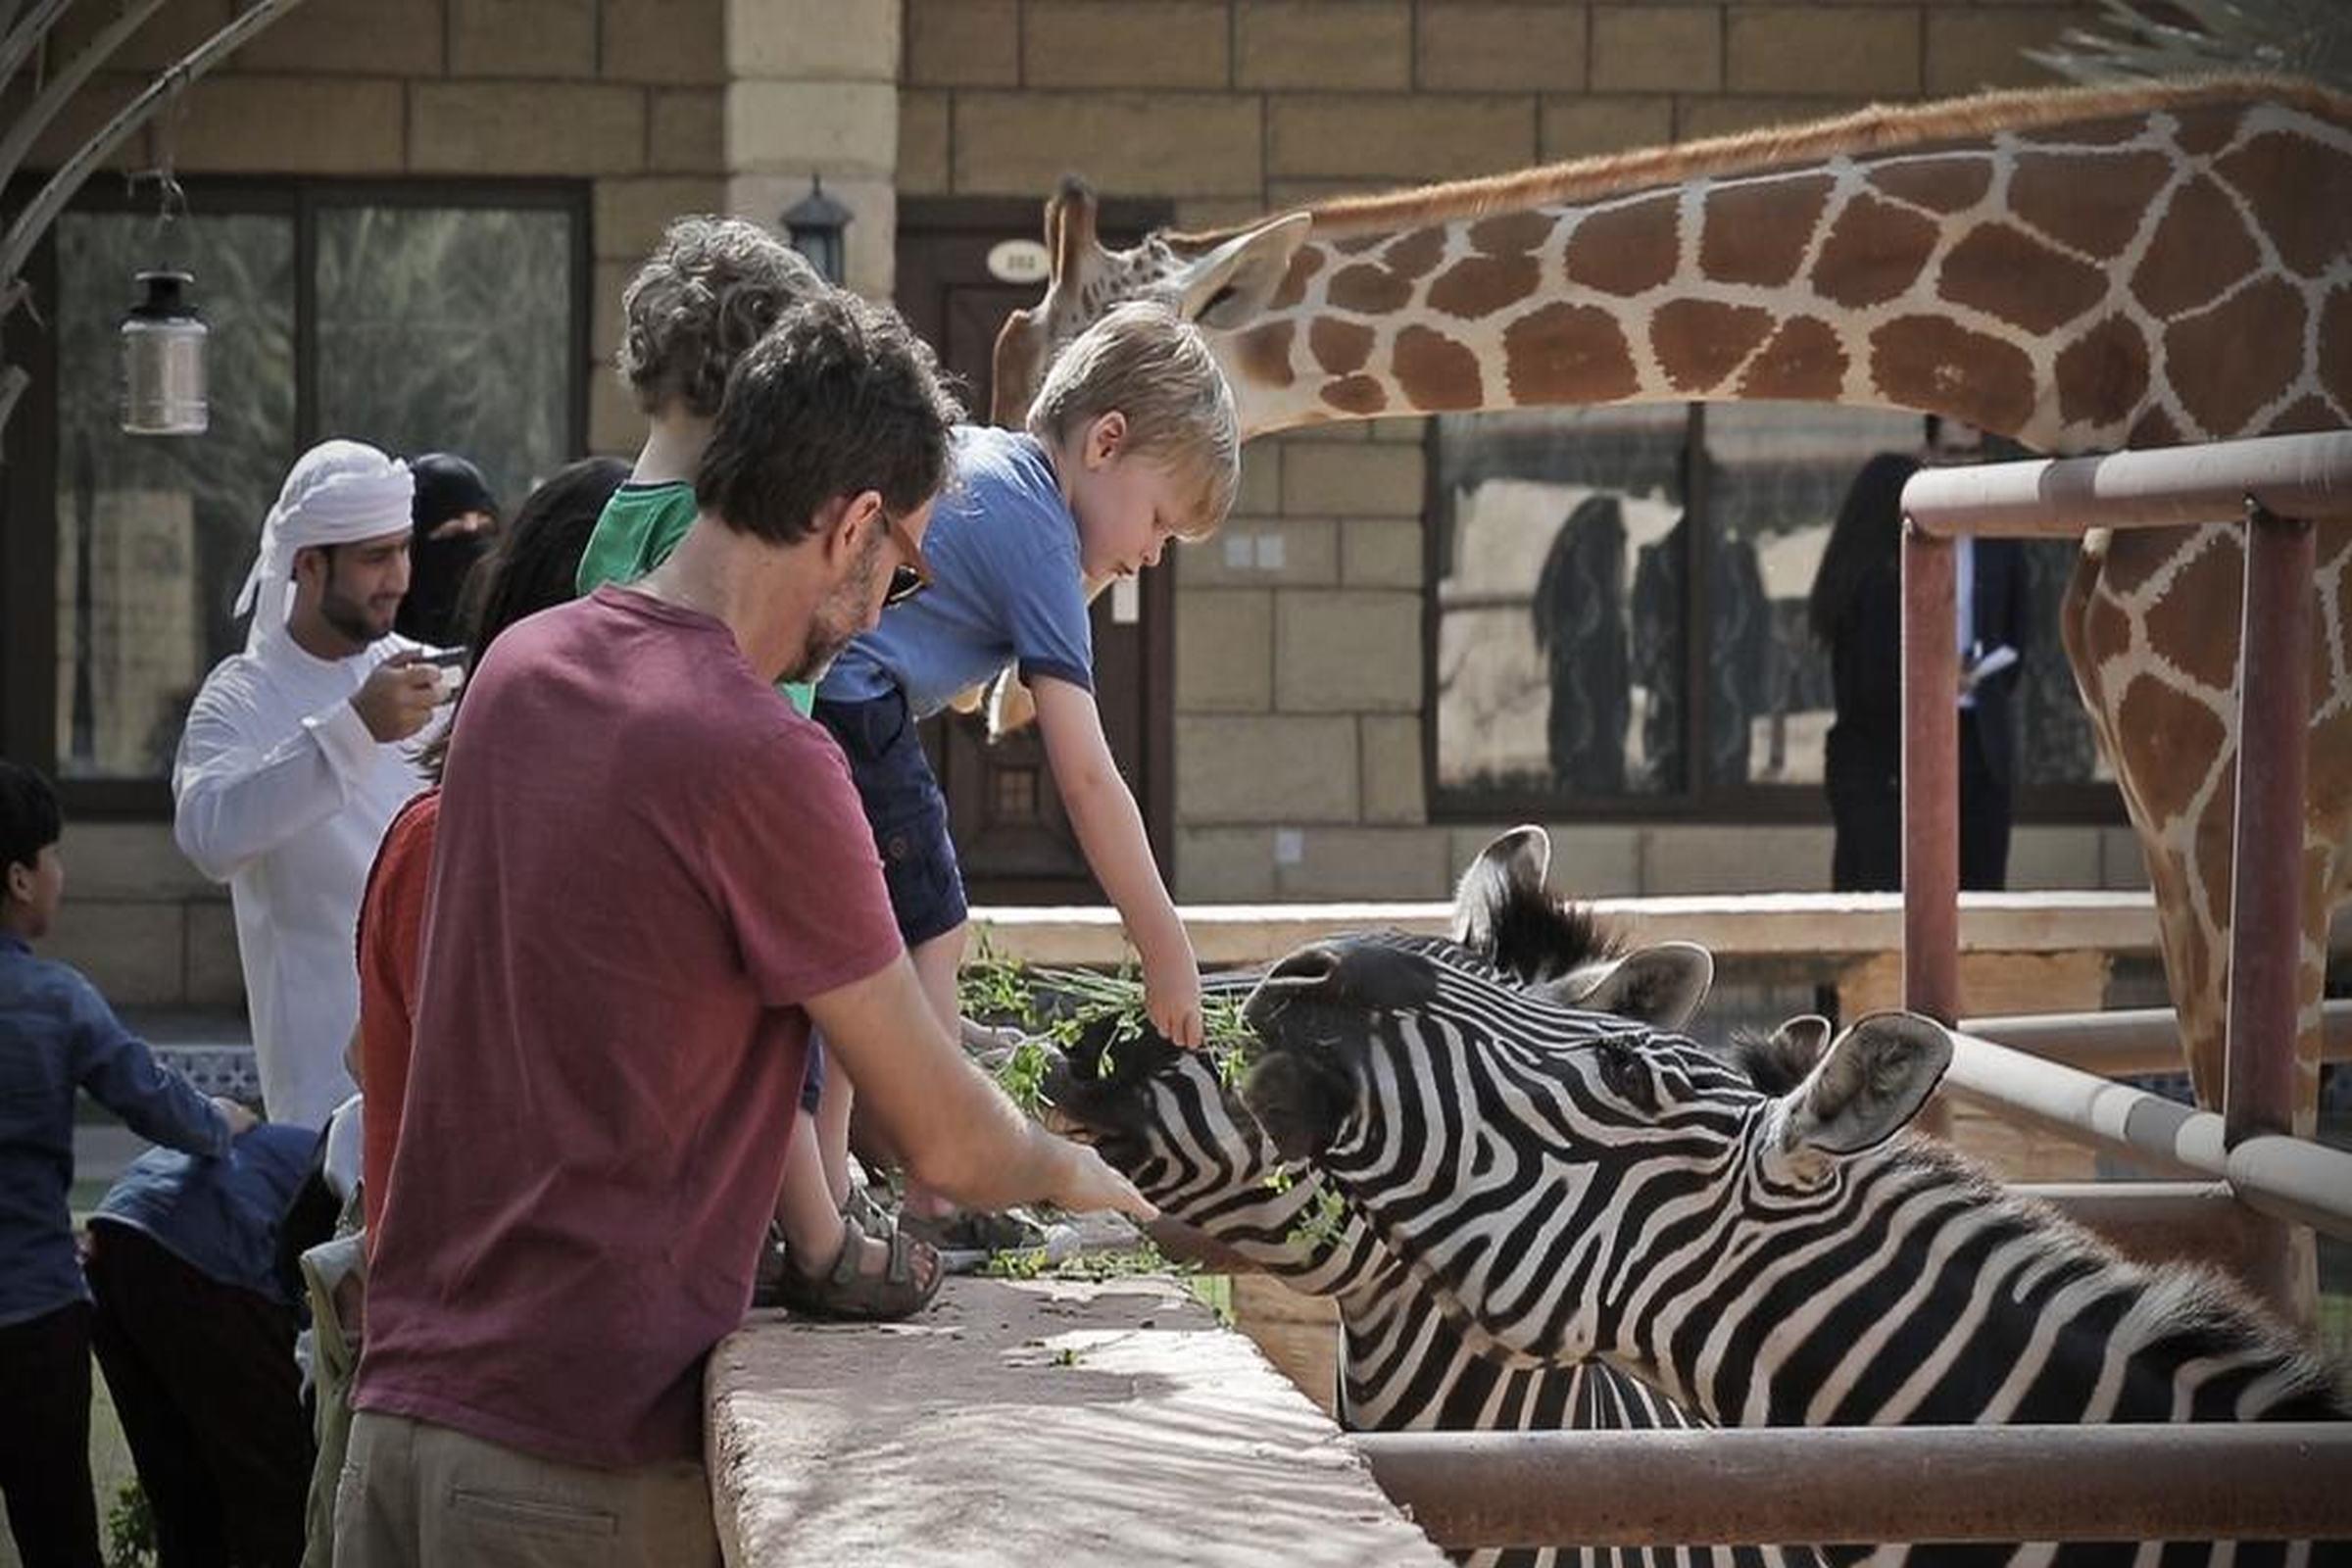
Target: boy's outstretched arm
{"x": 1111, "y": 830}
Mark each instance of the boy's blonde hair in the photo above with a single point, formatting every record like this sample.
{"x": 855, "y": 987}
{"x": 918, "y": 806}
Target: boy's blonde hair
{"x": 709, "y": 292}
{"x": 1142, "y": 361}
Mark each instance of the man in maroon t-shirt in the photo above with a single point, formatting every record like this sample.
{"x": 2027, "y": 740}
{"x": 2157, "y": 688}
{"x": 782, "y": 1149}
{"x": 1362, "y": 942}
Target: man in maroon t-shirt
{"x": 629, "y": 933}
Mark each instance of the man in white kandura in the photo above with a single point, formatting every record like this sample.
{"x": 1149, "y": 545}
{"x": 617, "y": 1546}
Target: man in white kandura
{"x": 292, "y": 760}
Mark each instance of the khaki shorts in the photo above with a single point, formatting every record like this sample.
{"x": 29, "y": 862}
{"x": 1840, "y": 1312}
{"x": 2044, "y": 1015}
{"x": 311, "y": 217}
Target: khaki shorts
{"x": 413, "y": 1494}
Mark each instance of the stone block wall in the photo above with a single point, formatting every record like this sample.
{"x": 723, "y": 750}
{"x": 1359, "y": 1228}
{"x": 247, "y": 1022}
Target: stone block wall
{"x": 1300, "y": 686}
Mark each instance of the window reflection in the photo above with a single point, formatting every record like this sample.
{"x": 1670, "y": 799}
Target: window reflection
{"x": 1776, "y": 474}
{"x": 434, "y": 329}
{"x": 154, "y": 533}
{"x": 1556, "y": 647}
{"x": 449, "y": 329}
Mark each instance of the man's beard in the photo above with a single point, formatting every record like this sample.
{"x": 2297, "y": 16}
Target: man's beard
{"x": 350, "y": 618}
{"x": 837, "y": 620}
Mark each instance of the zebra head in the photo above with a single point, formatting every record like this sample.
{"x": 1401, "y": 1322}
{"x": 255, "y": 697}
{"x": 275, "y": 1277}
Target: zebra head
{"x": 1537, "y": 1165}
{"x": 1173, "y": 1121}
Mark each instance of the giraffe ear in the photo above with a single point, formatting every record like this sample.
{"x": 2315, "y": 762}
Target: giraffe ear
{"x": 1230, "y": 285}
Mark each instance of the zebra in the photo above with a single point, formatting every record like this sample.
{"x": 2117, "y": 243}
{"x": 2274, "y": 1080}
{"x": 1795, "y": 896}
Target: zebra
{"x": 1168, "y": 1119}
{"x": 1763, "y": 1259}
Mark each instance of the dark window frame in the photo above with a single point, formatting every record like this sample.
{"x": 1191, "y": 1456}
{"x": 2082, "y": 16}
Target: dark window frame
{"x": 29, "y": 521}
{"x": 1698, "y": 801}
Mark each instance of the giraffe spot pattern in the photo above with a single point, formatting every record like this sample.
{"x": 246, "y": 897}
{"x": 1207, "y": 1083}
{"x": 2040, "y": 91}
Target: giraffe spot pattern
{"x": 2200, "y": 131}
{"x": 2006, "y": 272}
{"x": 2103, "y": 374}
{"x": 2134, "y": 556}
{"x": 1803, "y": 361}
{"x": 1566, "y": 354}
{"x": 1357, "y": 396}
{"x": 1700, "y": 342}
{"x": 2153, "y": 429}
{"x": 2086, "y": 133}
{"x": 1340, "y": 346}
{"x": 1940, "y": 185}
{"x": 1755, "y": 231}
{"x": 2200, "y": 249}
{"x": 2239, "y": 351}
{"x": 1368, "y": 290}
{"x": 1363, "y": 244}
{"x": 2307, "y": 413}
{"x": 2172, "y": 738}
{"x": 2094, "y": 204}
{"x": 1926, "y": 362}
{"x": 2335, "y": 347}
{"x": 1513, "y": 233}
{"x": 1306, "y": 263}
{"x": 1875, "y": 251}
{"x": 1435, "y": 372}
{"x": 1481, "y": 285}
{"x": 2215, "y": 839}
{"x": 2195, "y": 623}
{"x": 1263, "y": 352}
{"x": 1411, "y": 255}
{"x": 2287, "y": 178}
{"x": 1624, "y": 250}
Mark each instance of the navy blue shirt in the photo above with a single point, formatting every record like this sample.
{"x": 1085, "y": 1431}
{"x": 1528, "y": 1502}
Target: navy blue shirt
{"x": 57, "y": 1035}
{"x": 218, "y": 1216}
{"x": 1007, "y": 586}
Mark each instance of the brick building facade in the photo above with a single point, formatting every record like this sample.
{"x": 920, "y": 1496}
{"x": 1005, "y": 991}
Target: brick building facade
{"x": 1300, "y": 692}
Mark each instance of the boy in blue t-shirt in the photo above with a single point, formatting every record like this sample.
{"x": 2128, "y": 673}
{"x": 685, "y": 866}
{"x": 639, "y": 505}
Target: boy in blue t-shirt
{"x": 1132, "y": 442}
{"x": 57, "y": 1036}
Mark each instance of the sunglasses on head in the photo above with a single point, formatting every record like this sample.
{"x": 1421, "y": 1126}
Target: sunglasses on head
{"x": 912, "y": 575}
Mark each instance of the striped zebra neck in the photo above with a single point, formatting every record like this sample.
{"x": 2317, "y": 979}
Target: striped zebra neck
{"x": 1910, "y": 1290}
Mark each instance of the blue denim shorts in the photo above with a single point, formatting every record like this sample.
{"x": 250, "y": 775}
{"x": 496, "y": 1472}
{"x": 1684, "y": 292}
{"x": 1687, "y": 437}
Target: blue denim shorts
{"x": 906, "y": 810}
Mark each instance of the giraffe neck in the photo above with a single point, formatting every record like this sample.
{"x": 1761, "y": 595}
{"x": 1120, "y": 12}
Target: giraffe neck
{"x": 2076, "y": 285}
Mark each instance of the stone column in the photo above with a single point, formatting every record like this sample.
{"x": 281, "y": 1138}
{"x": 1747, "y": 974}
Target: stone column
{"x": 812, "y": 89}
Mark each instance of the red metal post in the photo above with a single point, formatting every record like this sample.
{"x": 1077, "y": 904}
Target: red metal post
{"x": 2266, "y": 938}
{"x": 1931, "y": 779}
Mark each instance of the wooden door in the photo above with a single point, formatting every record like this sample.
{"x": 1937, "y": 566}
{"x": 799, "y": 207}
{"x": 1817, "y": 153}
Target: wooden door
{"x": 1011, "y": 833}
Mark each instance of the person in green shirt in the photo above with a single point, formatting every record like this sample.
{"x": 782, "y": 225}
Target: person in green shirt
{"x": 712, "y": 289}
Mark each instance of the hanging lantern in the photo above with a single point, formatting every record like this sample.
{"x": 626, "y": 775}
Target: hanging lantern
{"x": 815, "y": 225}
{"x": 162, "y": 361}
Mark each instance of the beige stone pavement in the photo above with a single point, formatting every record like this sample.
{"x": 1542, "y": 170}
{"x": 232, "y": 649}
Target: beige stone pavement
{"x": 1020, "y": 1423}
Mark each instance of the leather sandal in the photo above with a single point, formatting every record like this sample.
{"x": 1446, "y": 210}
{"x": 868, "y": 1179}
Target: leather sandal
{"x": 848, "y": 1292}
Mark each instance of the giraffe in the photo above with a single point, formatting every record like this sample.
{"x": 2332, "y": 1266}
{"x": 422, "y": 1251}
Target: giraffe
{"x": 2078, "y": 270}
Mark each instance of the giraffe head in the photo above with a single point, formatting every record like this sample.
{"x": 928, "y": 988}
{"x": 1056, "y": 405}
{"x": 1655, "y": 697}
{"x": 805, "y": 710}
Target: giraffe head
{"x": 1218, "y": 281}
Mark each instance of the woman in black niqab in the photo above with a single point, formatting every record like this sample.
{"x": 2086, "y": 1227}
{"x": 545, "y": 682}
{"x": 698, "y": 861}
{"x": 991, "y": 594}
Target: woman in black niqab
{"x": 455, "y": 516}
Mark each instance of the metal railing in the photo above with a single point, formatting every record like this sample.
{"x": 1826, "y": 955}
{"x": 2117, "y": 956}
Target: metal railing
{"x": 2279, "y": 484}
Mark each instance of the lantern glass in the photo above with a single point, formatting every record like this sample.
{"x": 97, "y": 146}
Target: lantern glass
{"x": 162, "y": 361}
{"x": 815, "y": 225}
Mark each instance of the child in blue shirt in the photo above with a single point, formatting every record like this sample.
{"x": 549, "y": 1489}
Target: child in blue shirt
{"x": 57, "y": 1036}
{"x": 1132, "y": 442}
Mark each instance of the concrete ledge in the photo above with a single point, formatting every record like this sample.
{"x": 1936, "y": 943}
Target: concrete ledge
{"x": 1038, "y": 1421}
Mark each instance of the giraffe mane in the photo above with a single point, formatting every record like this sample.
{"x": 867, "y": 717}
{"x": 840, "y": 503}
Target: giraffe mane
{"x": 1875, "y": 129}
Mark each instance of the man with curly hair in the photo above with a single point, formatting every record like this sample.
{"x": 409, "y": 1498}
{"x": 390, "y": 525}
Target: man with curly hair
{"x": 709, "y": 291}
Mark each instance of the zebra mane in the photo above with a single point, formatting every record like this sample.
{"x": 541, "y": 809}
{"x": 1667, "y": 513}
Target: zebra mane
{"x": 2196, "y": 1307}
{"x": 1770, "y": 1061}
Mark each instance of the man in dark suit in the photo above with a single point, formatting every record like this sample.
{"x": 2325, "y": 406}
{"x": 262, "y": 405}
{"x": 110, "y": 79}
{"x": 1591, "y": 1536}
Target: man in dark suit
{"x": 1990, "y": 625}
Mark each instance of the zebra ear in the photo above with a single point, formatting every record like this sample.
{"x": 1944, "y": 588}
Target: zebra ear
{"x": 1873, "y": 1079}
{"x": 1506, "y": 871}
{"x": 1661, "y": 986}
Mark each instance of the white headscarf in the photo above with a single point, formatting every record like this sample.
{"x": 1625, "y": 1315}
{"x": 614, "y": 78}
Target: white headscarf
{"x": 339, "y": 493}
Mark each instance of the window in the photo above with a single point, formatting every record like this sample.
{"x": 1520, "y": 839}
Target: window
{"x": 1620, "y": 614}
{"x": 413, "y": 319}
